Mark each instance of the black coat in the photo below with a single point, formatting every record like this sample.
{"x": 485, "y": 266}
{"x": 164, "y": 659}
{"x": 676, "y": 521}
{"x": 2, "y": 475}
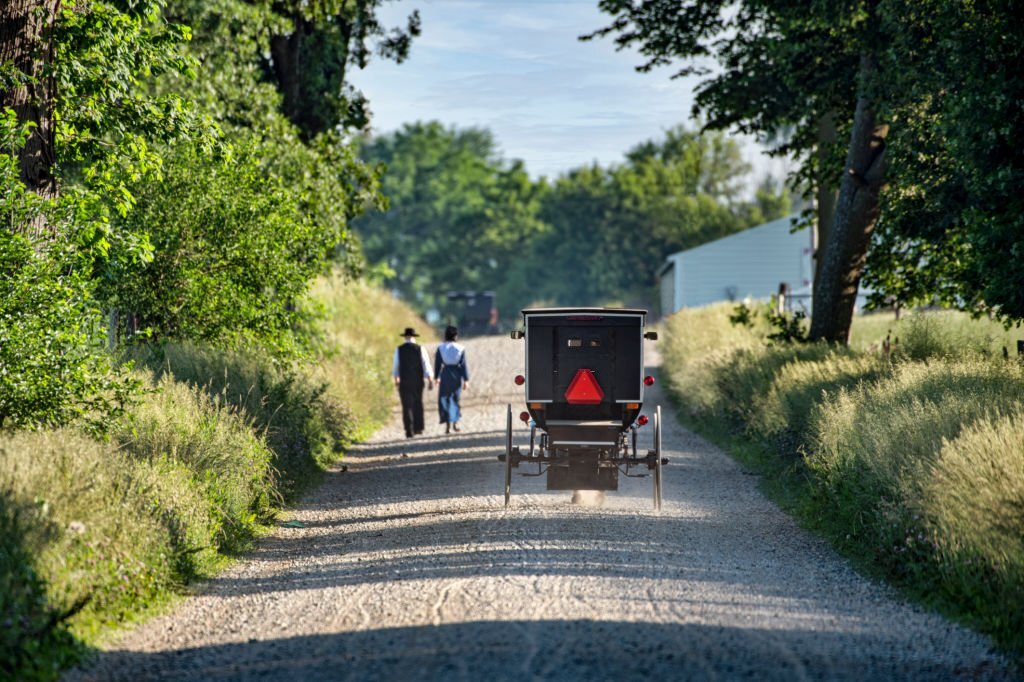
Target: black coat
{"x": 410, "y": 367}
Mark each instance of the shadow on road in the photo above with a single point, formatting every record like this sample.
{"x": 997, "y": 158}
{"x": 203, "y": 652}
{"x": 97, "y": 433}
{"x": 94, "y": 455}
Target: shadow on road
{"x": 428, "y": 466}
{"x": 454, "y": 547}
{"x": 426, "y": 445}
{"x": 518, "y": 649}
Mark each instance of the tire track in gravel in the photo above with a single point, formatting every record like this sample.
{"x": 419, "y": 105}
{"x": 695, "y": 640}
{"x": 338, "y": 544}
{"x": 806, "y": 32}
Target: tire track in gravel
{"x": 409, "y": 567}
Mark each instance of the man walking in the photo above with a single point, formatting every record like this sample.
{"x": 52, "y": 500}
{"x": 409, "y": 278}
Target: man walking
{"x": 411, "y": 370}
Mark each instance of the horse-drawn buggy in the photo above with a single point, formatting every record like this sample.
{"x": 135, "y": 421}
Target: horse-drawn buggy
{"x": 584, "y": 384}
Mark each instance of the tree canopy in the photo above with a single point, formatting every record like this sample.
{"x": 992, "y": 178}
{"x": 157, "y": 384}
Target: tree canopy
{"x": 918, "y": 97}
{"x": 155, "y": 186}
{"x": 952, "y": 230}
{"x": 313, "y": 44}
{"x": 461, "y": 217}
{"x": 457, "y": 213}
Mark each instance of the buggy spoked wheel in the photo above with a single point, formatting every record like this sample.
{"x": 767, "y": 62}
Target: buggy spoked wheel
{"x": 508, "y": 456}
{"x": 657, "y": 458}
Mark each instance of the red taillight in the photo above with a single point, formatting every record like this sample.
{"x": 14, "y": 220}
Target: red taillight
{"x": 648, "y": 381}
{"x": 525, "y": 416}
{"x": 584, "y": 389}
{"x": 642, "y": 420}
{"x": 520, "y": 380}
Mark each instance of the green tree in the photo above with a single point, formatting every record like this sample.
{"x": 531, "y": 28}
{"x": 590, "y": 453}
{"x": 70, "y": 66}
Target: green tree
{"x": 458, "y": 214}
{"x": 609, "y": 228}
{"x": 952, "y": 230}
{"x": 52, "y": 368}
{"x": 233, "y": 250}
{"x": 237, "y": 231}
{"x": 76, "y": 128}
{"x": 809, "y": 68}
{"x": 313, "y": 48}
{"x": 72, "y": 71}
{"x": 26, "y": 48}
{"x": 941, "y": 74}
{"x": 293, "y": 55}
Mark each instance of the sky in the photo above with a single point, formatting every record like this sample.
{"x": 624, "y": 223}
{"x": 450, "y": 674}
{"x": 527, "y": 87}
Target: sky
{"x": 517, "y": 68}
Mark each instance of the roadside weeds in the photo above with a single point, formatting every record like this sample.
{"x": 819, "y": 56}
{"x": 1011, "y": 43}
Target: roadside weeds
{"x": 912, "y": 465}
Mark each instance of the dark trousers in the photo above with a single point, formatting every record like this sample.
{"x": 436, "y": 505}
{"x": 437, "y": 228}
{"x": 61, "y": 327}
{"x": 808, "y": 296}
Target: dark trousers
{"x": 412, "y": 409}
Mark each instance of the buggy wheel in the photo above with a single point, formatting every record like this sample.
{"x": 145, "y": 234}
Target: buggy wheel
{"x": 657, "y": 461}
{"x": 508, "y": 456}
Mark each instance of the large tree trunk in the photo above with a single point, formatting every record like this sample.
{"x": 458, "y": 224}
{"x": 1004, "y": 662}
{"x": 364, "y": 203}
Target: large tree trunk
{"x": 856, "y": 215}
{"x": 26, "y": 42}
{"x": 290, "y": 59}
{"x": 286, "y": 51}
{"x": 825, "y": 194}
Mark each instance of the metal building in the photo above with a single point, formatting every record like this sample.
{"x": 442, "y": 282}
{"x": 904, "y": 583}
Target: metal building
{"x": 752, "y": 263}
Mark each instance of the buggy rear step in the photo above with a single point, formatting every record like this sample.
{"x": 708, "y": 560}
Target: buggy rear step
{"x": 573, "y": 469}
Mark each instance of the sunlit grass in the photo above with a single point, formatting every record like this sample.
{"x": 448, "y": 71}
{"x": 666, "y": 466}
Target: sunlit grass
{"x": 935, "y": 333}
{"x": 85, "y": 516}
{"x": 912, "y": 461}
{"x": 105, "y": 531}
{"x": 362, "y": 327}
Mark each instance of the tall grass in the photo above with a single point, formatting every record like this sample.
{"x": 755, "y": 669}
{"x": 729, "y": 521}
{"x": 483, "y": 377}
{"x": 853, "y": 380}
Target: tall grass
{"x": 361, "y": 329}
{"x": 93, "y": 533}
{"x": 305, "y": 428}
{"x": 114, "y": 525}
{"x": 84, "y": 511}
{"x": 215, "y": 445}
{"x": 972, "y": 505}
{"x": 891, "y": 465}
{"x": 33, "y": 645}
{"x": 934, "y": 334}
{"x": 698, "y": 342}
{"x": 911, "y": 461}
{"x": 802, "y": 380}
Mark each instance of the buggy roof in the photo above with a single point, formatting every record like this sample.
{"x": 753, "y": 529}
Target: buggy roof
{"x": 590, "y": 311}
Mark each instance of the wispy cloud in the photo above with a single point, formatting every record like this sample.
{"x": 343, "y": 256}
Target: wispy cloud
{"x": 516, "y": 67}
{"x": 534, "y": 22}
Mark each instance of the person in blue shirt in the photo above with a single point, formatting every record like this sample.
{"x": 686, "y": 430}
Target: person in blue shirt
{"x": 411, "y": 372}
{"x": 452, "y": 377}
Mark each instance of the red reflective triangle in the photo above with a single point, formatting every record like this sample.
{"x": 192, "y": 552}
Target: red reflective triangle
{"x": 584, "y": 389}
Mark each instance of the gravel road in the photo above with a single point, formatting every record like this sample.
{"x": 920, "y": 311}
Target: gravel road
{"x": 407, "y": 566}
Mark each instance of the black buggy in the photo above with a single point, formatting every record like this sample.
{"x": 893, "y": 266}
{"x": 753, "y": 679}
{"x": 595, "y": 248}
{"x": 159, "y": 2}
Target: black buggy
{"x": 473, "y": 312}
{"x": 584, "y": 386}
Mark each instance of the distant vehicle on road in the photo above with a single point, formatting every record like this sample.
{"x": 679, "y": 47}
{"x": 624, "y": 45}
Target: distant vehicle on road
{"x": 473, "y": 312}
{"x": 584, "y": 384}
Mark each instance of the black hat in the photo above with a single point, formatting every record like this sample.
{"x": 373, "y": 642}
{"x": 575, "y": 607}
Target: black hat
{"x": 409, "y": 331}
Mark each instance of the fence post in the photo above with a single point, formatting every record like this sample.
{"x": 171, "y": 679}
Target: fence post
{"x": 112, "y": 329}
{"x": 131, "y": 325}
{"x": 781, "y": 300}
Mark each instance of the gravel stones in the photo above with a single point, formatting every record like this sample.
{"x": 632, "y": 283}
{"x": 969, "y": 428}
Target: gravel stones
{"x": 408, "y": 566}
